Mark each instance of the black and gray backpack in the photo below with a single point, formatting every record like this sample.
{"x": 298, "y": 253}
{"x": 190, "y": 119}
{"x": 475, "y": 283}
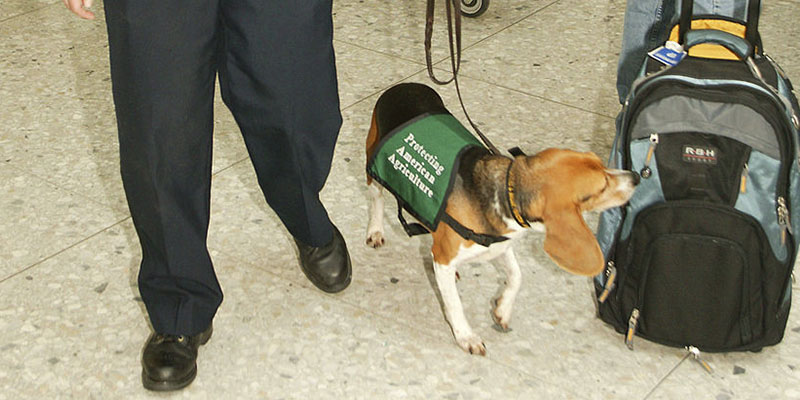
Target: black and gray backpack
{"x": 702, "y": 255}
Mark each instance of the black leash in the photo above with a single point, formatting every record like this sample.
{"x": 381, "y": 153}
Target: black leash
{"x": 455, "y": 56}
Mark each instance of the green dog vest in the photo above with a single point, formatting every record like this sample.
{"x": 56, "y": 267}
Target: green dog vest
{"x": 417, "y": 162}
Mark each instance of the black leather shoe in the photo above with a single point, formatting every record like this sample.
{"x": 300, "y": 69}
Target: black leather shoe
{"x": 327, "y": 267}
{"x": 169, "y": 362}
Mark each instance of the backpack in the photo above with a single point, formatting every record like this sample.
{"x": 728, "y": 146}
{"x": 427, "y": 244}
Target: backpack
{"x": 702, "y": 255}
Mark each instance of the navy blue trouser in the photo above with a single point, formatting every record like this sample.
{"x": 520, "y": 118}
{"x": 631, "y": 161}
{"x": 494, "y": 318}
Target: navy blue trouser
{"x": 276, "y": 68}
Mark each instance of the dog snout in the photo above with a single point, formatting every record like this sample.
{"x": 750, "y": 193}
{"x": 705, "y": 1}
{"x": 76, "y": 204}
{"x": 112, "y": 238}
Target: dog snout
{"x": 626, "y": 177}
{"x": 635, "y": 178}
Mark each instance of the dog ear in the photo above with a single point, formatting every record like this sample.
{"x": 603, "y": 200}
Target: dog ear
{"x": 570, "y": 243}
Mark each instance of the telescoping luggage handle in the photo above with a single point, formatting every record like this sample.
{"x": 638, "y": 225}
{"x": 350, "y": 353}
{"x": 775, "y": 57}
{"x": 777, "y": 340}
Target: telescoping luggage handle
{"x": 751, "y": 25}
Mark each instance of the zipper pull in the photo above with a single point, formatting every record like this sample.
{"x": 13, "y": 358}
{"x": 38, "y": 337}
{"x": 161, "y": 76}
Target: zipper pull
{"x": 743, "y": 184}
{"x": 611, "y": 277}
{"x": 784, "y": 219}
{"x": 646, "y": 171}
{"x": 695, "y": 353}
{"x": 632, "y": 322}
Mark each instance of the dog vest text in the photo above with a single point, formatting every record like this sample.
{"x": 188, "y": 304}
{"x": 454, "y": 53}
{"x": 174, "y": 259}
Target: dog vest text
{"x": 417, "y": 161}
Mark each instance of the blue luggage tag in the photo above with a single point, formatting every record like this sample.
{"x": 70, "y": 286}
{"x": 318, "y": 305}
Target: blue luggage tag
{"x": 671, "y": 53}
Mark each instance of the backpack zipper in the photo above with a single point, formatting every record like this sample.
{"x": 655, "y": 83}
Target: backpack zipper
{"x": 646, "y": 172}
{"x": 608, "y": 286}
{"x": 784, "y": 220}
{"x": 743, "y": 183}
{"x": 633, "y": 321}
{"x": 695, "y": 353}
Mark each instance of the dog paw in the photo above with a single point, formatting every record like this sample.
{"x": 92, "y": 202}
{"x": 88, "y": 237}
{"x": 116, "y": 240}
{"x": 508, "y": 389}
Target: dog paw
{"x": 499, "y": 324}
{"x": 501, "y": 318}
{"x": 375, "y": 240}
{"x": 472, "y": 344}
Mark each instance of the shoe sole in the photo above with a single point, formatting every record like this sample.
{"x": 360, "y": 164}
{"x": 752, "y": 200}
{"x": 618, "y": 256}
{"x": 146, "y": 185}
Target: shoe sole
{"x": 168, "y": 386}
{"x": 325, "y": 288}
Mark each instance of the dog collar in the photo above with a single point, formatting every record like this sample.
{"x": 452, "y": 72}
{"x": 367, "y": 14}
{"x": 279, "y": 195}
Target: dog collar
{"x": 511, "y": 201}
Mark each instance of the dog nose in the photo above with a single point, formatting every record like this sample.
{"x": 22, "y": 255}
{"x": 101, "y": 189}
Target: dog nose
{"x": 636, "y": 178}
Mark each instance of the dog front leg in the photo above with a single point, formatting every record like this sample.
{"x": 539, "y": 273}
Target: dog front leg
{"x": 503, "y": 304}
{"x": 454, "y": 311}
{"x": 375, "y": 228}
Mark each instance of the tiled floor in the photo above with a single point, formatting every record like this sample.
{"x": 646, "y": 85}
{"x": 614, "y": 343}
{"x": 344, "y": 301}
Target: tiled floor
{"x": 537, "y": 73}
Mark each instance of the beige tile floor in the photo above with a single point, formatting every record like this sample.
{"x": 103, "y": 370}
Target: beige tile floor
{"x": 537, "y": 73}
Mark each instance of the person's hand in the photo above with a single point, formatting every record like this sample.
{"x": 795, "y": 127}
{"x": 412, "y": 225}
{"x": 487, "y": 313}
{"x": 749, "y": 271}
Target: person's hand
{"x": 80, "y": 8}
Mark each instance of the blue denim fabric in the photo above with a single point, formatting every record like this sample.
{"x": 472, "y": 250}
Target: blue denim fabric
{"x": 647, "y": 24}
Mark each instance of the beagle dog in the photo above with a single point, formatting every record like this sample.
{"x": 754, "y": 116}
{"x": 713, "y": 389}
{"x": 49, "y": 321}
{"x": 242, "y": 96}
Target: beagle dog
{"x": 551, "y": 188}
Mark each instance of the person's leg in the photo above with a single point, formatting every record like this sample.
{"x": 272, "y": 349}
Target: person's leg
{"x": 644, "y": 28}
{"x": 163, "y": 71}
{"x": 279, "y": 80}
